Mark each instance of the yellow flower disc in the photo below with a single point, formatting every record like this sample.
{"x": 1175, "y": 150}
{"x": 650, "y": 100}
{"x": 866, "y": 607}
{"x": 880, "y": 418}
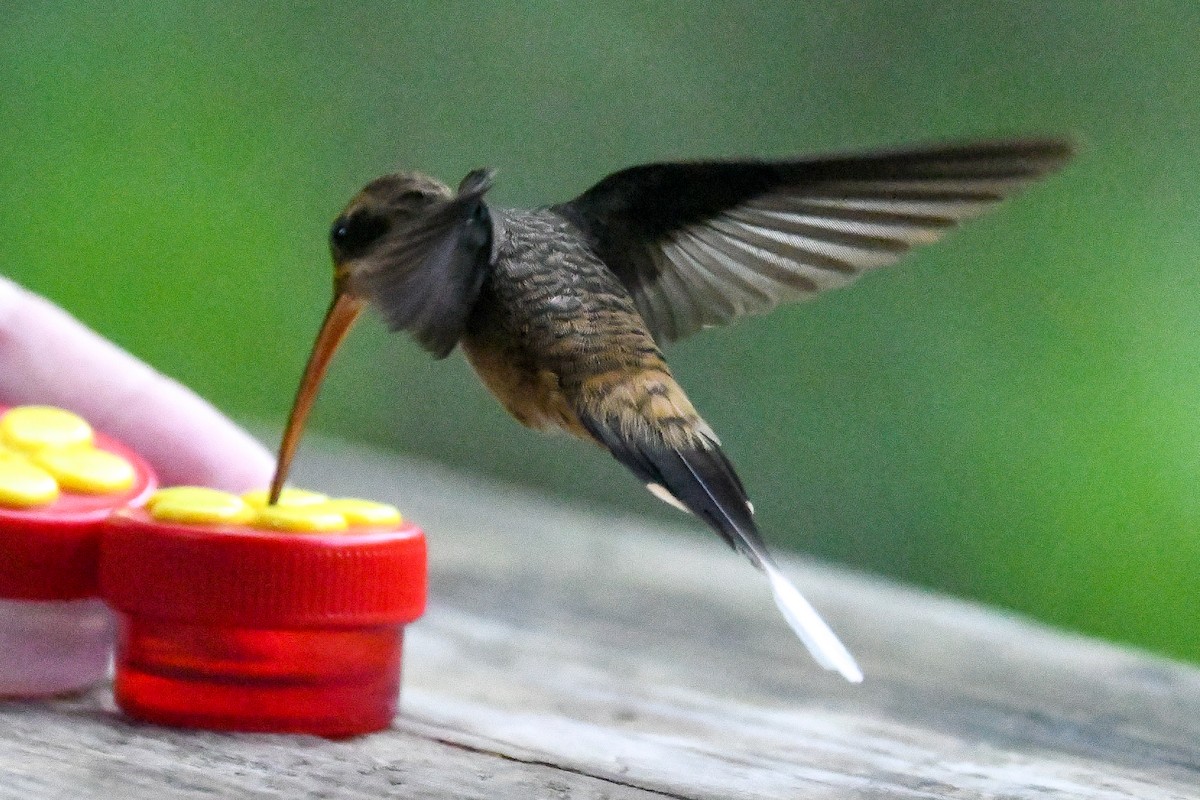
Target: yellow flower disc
{"x": 87, "y": 470}
{"x": 23, "y": 485}
{"x": 36, "y": 427}
{"x": 300, "y": 519}
{"x": 298, "y": 510}
{"x": 197, "y": 505}
{"x": 288, "y": 497}
{"x": 364, "y": 512}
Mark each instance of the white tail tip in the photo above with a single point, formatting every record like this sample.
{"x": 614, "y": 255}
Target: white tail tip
{"x": 820, "y": 640}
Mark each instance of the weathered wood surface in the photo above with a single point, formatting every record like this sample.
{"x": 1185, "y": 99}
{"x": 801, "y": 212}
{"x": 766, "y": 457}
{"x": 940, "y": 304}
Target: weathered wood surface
{"x": 566, "y": 655}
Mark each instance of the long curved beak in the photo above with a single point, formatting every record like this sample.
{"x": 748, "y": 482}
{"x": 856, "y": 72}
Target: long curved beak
{"x": 343, "y": 311}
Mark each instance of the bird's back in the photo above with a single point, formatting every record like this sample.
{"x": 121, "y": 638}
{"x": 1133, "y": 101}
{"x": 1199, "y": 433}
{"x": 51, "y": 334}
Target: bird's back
{"x": 555, "y": 335}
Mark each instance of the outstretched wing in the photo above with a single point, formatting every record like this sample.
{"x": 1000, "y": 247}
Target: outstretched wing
{"x": 700, "y": 244}
{"x": 432, "y": 274}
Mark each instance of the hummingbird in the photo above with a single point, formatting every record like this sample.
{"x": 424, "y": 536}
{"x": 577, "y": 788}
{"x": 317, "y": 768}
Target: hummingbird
{"x": 563, "y": 310}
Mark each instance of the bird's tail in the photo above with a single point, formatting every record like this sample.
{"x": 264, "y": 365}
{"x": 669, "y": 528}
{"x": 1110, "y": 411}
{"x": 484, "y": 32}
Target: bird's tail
{"x": 712, "y": 490}
{"x": 699, "y": 478}
{"x": 817, "y": 636}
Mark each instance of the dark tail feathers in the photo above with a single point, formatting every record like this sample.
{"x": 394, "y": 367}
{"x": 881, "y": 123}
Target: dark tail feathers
{"x": 702, "y": 480}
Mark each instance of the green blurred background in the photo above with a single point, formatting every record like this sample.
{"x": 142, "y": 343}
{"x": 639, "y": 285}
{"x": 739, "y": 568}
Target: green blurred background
{"x": 1011, "y": 415}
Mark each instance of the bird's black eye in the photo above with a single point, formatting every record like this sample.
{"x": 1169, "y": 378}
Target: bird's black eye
{"x": 353, "y": 234}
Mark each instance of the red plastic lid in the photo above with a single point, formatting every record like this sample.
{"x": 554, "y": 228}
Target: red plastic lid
{"x": 244, "y": 577}
{"x": 50, "y": 552}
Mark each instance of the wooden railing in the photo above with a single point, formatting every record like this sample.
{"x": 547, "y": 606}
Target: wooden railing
{"x": 570, "y": 655}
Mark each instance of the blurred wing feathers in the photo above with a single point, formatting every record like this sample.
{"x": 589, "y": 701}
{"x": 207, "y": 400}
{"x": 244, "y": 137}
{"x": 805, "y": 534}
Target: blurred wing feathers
{"x": 436, "y": 269}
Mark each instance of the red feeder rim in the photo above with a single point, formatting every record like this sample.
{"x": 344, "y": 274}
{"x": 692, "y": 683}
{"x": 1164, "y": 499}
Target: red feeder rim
{"x": 245, "y": 577}
{"x": 50, "y": 552}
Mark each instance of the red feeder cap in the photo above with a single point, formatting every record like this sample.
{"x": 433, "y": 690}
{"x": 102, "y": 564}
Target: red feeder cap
{"x": 49, "y": 552}
{"x": 244, "y": 577}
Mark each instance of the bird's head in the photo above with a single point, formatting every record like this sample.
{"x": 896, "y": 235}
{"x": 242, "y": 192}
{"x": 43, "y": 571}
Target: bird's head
{"x": 361, "y": 241}
{"x": 391, "y": 231}
{"x": 381, "y": 213}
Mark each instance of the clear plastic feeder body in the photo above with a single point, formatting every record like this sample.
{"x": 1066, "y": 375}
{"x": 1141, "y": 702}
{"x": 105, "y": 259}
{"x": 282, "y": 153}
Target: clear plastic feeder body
{"x": 59, "y": 481}
{"x": 52, "y": 647}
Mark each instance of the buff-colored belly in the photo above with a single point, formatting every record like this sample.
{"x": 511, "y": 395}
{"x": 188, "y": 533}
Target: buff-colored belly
{"x": 533, "y": 396}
